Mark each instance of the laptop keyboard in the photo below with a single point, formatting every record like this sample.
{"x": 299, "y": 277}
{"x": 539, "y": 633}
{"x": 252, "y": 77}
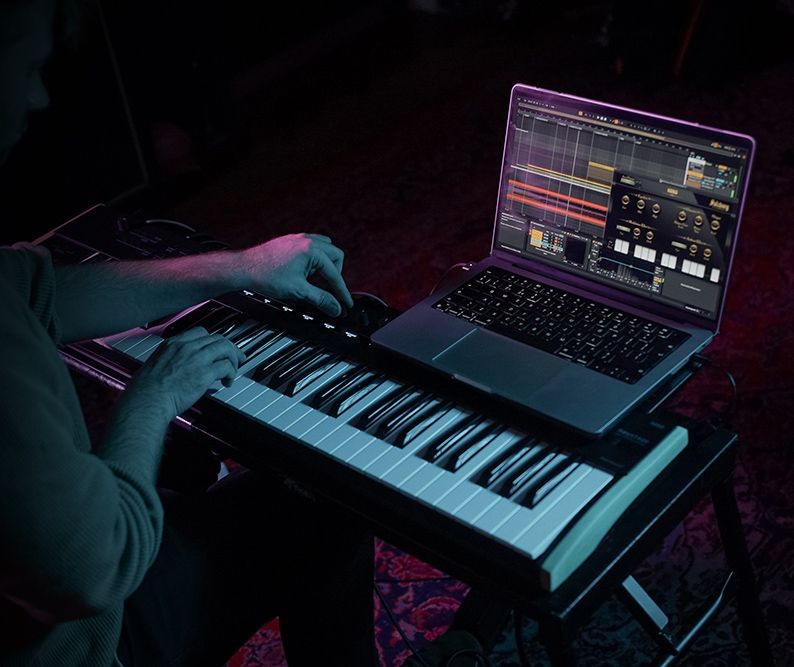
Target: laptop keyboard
{"x": 602, "y": 338}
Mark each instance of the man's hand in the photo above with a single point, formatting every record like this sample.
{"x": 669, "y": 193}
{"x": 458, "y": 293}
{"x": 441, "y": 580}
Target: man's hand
{"x": 183, "y": 368}
{"x": 282, "y": 267}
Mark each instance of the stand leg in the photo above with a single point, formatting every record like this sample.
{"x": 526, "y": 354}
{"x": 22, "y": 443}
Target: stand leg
{"x": 483, "y": 617}
{"x": 557, "y": 640}
{"x": 747, "y": 601}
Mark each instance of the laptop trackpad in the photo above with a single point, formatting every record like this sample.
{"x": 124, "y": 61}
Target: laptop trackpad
{"x": 498, "y": 364}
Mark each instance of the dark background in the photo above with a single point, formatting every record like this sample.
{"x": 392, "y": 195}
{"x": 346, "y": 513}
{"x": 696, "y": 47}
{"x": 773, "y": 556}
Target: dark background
{"x": 382, "y": 126}
{"x": 159, "y": 101}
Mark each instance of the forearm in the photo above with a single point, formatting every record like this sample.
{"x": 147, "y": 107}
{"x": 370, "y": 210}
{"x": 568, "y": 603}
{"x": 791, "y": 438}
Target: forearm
{"x": 99, "y": 299}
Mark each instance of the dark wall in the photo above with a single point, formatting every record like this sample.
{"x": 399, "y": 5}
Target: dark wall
{"x": 189, "y": 70}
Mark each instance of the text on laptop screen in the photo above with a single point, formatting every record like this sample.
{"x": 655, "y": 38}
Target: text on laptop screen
{"x": 631, "y": 203}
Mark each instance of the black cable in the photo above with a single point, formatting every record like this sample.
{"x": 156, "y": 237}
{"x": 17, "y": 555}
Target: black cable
{"x": 166, "y": 221}
{"x": 463, "y": 265}
{"x": 389, "y": 613}
{"x": 472, "y": 652}
{"x": 730, "y": 407}
{"x": 371, "y": 296}
{"x": 522, "y": 650}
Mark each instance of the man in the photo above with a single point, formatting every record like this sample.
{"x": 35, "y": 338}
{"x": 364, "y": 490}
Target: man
{"x": 93, "y": 570}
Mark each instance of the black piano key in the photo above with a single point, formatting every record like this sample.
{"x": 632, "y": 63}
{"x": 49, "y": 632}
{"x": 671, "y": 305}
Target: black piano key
{"x": 370, "y": 384}
{"x": 302, "y": 366}
{"x": 253, "y": 345}
{"x": 546, "y": 481}
{"x": 226, "y": 325}
{"x": 450, "y": 437}
{"x": 311, "y": 374}
{"x": 473, "y": 446}
{"x": 409, "y": 411}
{"x": 321, "y": 398}
{"x": 383, "y": 408}
{"x": 503, "y": 463}
{"x": 275, "y": 362}
{"x": 340, "y": 396}
{"x": 528, "y": 468}
{"x": 194, "y": 318}
{"x": 247, "y": 333}
{"x": 426, "y": 416}
{"x": 218, "y": 319}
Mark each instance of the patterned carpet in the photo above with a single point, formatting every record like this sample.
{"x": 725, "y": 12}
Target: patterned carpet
{"x": 398, "y": 161}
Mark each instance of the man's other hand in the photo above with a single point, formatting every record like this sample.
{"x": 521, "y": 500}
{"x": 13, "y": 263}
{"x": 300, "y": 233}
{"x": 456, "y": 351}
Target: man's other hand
{"x": 183, "y": 368}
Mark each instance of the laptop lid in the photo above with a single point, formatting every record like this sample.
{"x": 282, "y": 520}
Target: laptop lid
{"x": 638, "y": 207}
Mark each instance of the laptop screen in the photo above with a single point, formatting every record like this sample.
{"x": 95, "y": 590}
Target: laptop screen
{"x": 647, "y": 204}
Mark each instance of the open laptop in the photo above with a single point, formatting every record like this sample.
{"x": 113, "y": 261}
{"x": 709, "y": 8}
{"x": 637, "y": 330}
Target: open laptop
{"x": 613, "y": 240}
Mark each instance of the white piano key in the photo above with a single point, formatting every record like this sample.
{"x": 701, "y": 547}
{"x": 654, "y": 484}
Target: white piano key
{"x": 143, "y": 343}
{"x": 309, "y": 421}
{"x": 421, "y": 479}
{"x": 126, "y": 344}
{"x": 445, "y": 484}
{"x": 407, "y": 468}
{"x": 527, "y": 519}
{"x": 449, "y": 493}
{"x": 225, "y": 394}
{"x": 320, "y": 429}
{"x": 248, "y": 394}
{"x": 384, "y": 464}
{"x": 145, "y": 350}
{"x": 286, "y": 419}
{"x": 458, "y": 496}
{"x": 538, "y": 538}
{"x": 262, "y": 401}
{"x": 478, "y": 505}
{"x": 362, "y": 445}
{"x": 338, "y": 437}
{"x": 497, "y": 514}
{"x": 267, "y": 413}
{"x": 385, "y": 461}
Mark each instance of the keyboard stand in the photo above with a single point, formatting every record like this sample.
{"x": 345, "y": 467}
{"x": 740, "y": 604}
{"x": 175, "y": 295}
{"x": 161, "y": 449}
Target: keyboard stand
{"x": 705, "y": 467}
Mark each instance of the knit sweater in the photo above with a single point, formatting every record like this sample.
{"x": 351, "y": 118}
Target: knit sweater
{"x": 78, "y": 530}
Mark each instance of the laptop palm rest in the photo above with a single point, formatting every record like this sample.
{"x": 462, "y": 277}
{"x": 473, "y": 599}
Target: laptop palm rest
{"x": 499, "y": 365}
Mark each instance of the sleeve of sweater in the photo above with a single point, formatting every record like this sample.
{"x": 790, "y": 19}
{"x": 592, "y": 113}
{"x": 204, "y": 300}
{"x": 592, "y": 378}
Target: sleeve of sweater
{"x": 78, "y": 533}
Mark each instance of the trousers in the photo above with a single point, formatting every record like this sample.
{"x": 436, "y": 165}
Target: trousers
{"x": 249, "y": 549}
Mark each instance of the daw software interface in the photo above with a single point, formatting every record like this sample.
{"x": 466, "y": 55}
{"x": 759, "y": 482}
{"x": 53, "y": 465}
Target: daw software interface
{"x": 629, "y": 201}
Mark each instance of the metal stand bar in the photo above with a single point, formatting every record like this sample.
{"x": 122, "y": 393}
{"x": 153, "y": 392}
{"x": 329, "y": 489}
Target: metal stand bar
{"x": 648, "y": 614}
{"x": 747, "y": 601}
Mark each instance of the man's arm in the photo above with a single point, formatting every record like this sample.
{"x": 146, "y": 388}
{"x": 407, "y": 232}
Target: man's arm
{"x": 99, "y": 299}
